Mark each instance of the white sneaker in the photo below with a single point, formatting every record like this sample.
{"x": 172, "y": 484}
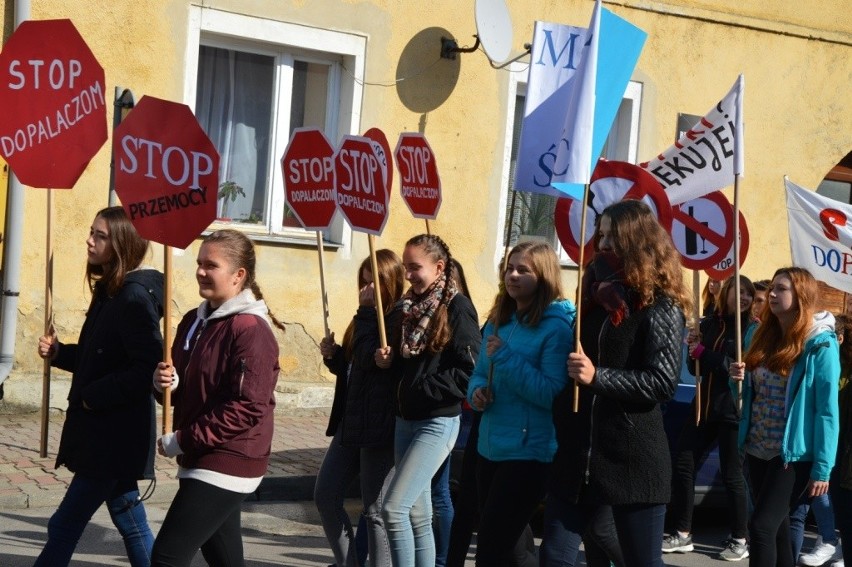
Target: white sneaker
{"x": 819, "y": 555}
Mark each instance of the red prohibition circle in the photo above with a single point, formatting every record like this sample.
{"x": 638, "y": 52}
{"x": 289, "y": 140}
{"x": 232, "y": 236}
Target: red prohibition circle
{"x": 609, "y": 178}
{"x": 723, "y": 242}
{"x": 727, "y": 272}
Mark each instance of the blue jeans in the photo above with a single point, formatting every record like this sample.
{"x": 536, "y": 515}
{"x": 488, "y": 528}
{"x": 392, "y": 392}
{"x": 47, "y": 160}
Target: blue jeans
{"x": 442, "y": 512}
{"x": 566, "y": 523}
{"x": 419, "y": 447}
{"x": 84, "y": 496}
{"x": 824, "y": 516}
{"x": 339, "y": 468}
{"x": 640, "y": 531}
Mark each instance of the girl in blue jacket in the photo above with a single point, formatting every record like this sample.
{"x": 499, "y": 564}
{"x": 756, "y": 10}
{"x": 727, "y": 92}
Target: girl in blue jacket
{"x": 790, "y": 417}
{"x": 521, "y": 368}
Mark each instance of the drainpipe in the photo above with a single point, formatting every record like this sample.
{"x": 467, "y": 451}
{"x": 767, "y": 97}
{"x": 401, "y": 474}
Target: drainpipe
{"x": 13, "y": 237}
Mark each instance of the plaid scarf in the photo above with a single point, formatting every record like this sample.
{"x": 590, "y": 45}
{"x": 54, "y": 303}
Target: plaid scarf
{"x": 604, "y": 285}
{"x": 417, "y": 313}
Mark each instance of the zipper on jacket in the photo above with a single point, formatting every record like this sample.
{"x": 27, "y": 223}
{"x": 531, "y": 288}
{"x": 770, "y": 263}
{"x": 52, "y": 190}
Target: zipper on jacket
{"x": 592, "y": 414}
{"x": 242, "y": 375}
{"x": 470, "y": 354}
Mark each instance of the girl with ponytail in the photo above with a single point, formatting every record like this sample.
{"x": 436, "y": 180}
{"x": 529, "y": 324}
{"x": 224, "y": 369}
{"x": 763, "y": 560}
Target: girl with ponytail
{"x": 226, "y": 357}
{"x": 438, "y": 344}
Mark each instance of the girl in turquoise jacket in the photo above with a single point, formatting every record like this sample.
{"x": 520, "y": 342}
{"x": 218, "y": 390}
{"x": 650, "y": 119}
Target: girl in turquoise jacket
{"x": 520, "y": 370}
{"x": 790, "y": 419}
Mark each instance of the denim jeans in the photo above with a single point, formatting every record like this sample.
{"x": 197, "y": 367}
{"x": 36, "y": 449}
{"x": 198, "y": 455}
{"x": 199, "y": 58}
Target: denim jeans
{"x": 442, "y": 512}
{"x": 84, "y": 496}
{"x": 566, "y": 523}
{"x": 339, "y": 467}
{"x": 640, "y": 531}
{"x": 420, "y": 446}
{"x": 824, "y": 516}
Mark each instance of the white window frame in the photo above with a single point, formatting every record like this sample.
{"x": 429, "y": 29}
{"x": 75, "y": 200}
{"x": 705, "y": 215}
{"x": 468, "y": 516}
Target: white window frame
{"x": 518, "y": 86}
{"x": 260, "y": 35}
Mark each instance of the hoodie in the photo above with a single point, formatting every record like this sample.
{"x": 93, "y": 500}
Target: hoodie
{"x": 810, "y": 407}
{"x": 529, "y": 371}
{"x": 227, "y": 360}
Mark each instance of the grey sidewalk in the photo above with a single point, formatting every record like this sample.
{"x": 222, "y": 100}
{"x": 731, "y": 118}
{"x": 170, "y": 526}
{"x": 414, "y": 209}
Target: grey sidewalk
{"x": 29, "y": 481}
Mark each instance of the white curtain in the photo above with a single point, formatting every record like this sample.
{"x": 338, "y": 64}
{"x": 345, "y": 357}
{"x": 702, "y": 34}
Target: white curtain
{"x": 233, "y": 105}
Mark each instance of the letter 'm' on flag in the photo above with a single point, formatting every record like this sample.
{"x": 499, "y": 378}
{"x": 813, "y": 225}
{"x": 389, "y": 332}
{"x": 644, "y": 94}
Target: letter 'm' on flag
{"x": 580, "y": 120}
{"x": 555, "y": 60}
{"x": 707, "y": 157}
{"x": 820, "y": 235}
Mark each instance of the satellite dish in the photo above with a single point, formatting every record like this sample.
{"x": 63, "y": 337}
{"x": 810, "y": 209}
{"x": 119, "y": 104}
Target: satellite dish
{"x": 494, "y": 28}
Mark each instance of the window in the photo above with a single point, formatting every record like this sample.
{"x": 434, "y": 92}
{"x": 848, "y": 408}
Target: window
{"x": 250, "y": 91}
{"x": 533, "y": 213}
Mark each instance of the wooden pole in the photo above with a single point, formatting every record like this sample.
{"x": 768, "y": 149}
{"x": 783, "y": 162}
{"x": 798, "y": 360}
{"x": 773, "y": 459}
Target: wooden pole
{"x": 48, "y": 327}
{"x": 322, "y": 284}
{"x": 737, "y": 319}
{"x": 696, "y": 318}
{"x": 578, "y": 347}
{"x": 428, "y": 228}
{"x": 380, "y": 313}
{"x": 167, "y": 335}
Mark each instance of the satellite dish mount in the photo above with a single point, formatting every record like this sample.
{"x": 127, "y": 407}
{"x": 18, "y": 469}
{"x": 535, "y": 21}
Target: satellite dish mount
{"x": 493, "y": 32}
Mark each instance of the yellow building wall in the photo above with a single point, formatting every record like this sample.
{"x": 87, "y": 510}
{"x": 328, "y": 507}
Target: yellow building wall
{"x": 796, "y": 59}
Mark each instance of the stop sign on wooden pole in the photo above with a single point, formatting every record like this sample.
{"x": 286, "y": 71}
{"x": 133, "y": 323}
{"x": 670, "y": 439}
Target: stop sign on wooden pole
{"x": 360, "y": 185}
{"x": 166, "y": 172}
{"x": 419, "y": 181}
{"x": 167, "y": 177}
{"x": 308, "y": 168}
{"x": 52, "y": 104}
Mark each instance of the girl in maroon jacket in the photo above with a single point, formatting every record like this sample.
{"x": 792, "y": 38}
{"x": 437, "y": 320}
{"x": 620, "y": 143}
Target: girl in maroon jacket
{"x": 226, "y": 357}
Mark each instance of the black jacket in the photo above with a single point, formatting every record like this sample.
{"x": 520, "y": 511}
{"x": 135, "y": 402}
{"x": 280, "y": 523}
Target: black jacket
{"x": 364, "y": 400}
{"x": 637, "y": 368}
{"x": 112, "y": 364}
{"x": 433, "y": 385}
{"x": 718, "y": 337}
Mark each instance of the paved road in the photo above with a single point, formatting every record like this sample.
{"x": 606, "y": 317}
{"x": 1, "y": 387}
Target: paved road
{"x": 275, "y": 533}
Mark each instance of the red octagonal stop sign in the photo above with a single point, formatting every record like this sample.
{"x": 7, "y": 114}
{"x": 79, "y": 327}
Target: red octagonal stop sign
{"x": 418, "y": 175}
{"x": 53, "y": 117}
{"x": 308, "y": 168}
{"x": 359, "y": 182}
{"x": 166, "y": 172}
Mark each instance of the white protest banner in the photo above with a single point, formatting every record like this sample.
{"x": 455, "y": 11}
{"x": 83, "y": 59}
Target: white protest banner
{"x": 820, "y": 236}
{"x": 556, "y": 54}
{"x": 708, "y": 156}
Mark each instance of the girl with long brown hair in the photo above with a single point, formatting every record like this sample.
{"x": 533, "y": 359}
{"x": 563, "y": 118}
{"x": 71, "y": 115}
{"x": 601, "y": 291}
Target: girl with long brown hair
{"x": 634, "y": 300}
{"x": 362, "y": 417}
{"x": 789, "y": 423}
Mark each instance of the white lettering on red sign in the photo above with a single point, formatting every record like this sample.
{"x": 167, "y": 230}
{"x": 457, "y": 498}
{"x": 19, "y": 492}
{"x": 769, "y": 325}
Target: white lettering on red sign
{"x": 416, "y": 161}
{"x": 158, "y": 161}
{"x": 60, "y": 74}
{"x": 361, "y": 166}
{"x": 311, "y": 169}
{"x": 81, "y": 105}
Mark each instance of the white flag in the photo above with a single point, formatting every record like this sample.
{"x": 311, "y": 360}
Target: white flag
{"x": 820, "y": 236}
{"x": 580, "y": 118}
{"x": 708, "y": 156}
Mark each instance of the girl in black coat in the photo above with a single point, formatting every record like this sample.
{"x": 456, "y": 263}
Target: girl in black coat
{"x": 632, "y": 321}
{"x": 362, "y": 417}
{"x": 718, "y": 421}
{"x": 109, "y": 432}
